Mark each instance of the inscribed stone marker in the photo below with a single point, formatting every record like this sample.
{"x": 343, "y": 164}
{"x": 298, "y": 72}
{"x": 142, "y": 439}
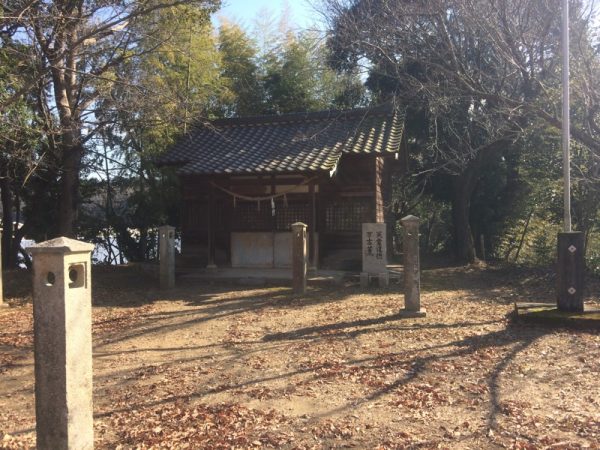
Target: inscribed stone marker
{"x": 374, "y": 248}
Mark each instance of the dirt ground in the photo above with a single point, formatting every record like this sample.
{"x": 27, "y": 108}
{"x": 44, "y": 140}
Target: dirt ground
{"x": 221, "y": 367}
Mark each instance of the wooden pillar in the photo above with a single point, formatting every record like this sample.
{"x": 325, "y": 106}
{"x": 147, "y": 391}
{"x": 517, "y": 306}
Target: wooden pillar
{"x": 389, "y": 216}
{"x": 273, "y": 192}
{"x": 312, "y": 251}
{"x": 571, "y": 266}
{"x": 273, "y": 222}
{"x": 1, "y": 287}
{"x": 211, "y": 228}
{"x": 321, "y": 221}
{"x": 378, "y": 194}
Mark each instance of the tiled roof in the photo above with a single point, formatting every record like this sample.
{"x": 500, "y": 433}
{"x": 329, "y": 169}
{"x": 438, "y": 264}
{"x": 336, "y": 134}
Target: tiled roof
{"x": 308, "y": 142}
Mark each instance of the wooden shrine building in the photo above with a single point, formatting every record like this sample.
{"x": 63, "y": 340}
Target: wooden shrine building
{"x": 246, "y": 180}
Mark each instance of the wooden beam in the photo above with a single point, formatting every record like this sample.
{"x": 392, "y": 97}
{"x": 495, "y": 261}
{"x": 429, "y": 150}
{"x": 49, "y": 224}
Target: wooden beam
{"x": 265, "y": 181}
{"x": 357, "y": 194}
{"x": 312, "y": 226}
{"x": 211, "y": 229}
{"x": 321, "y": 224}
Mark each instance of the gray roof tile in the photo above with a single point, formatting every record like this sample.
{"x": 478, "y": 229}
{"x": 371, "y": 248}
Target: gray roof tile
{"x": 308, "y": 142}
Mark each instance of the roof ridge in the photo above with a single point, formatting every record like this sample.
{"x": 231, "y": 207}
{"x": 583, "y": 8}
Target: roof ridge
{"x": 313, "y": 116}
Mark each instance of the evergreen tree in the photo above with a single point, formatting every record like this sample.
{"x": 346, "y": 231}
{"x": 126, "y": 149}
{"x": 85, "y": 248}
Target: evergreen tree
{"x": 78, "y": 49}
{"x": 243, "y": 90}
{"x": 298, "y": 78}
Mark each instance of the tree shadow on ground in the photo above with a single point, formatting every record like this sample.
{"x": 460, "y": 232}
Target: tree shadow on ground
{"x": 127, "y": 287}
{"x": 516, "y": 337}
{"x": 354, "y": 328}
{"x": 513, "y": 339}
{"x": 206, "y": 307}
{"x": 503, "y": 284}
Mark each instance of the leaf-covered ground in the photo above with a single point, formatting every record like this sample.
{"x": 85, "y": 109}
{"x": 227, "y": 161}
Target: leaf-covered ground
{"x": 219, "y": 367}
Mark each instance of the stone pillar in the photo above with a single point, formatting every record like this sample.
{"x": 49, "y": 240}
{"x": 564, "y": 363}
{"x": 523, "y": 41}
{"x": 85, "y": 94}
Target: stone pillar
{"x": 166, "y": 256}
{"x": 299, "y": 258}
{"x": 412, "y": 268}
{"x": 571, "y": 267}
{"x": 62, "y": 321}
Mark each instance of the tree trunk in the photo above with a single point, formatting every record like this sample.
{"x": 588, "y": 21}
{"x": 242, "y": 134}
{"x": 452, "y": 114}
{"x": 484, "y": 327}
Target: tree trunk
{"x": 17, "y": 248}
{"x": 8, "y": 261}
{"x": 12, "y": 235}
{"x": 463, "y": 186}
{"x": 69, "y": 190}
{"x": 66, "y": 94}
{"x": 430, "y": 224}
{"x": 464, "y": 246}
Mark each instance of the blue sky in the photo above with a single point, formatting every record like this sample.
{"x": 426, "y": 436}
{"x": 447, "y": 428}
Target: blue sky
{"x": 301, "y": 14}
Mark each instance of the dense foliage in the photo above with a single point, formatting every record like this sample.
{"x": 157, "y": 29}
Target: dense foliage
{"x": 91, "y": 93}
{"x": 81, "y": 126}
{"x": 480, "y": 81}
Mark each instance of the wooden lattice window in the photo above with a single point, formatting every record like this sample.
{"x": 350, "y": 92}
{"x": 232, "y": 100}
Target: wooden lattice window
{"x": 294, "y": 212}
{"x": 195, "y": 217}
{"x": 249, "y": 216}
{"x": 348, "y": 214}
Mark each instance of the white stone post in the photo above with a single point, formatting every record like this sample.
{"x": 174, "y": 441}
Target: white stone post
{"x": 166, "y": 244}
{"x": 412, "y": 269}
{"x": 62, "y": 319}
{"x": 299, "y": 258}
